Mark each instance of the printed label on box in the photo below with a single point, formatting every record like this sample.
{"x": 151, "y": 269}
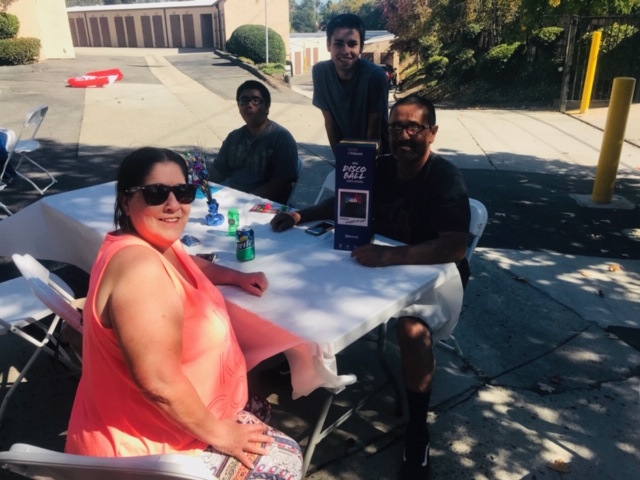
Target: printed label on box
{"x": 354, "y": 183}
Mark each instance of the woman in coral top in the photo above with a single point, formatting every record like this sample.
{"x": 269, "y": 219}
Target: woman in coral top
{"x": 162, "y": 369}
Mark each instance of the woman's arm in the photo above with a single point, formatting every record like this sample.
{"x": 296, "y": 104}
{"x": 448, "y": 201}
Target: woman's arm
{"x": 255, "y": 283}
{"x": 139, "y": 301}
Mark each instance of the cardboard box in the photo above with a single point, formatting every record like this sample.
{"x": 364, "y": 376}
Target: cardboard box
{"x": 354, "y": 185}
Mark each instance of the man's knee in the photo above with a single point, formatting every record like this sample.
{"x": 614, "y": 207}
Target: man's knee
{"x": 413, "y": 329}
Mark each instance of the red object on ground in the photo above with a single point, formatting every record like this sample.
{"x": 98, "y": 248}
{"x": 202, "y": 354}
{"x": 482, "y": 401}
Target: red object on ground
{"x": 98, "y": 78}
{"x": 107, "y": 73}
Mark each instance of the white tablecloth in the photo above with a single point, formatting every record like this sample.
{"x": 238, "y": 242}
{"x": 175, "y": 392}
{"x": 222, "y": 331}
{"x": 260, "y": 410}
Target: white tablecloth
{"x": 319, "y": 300}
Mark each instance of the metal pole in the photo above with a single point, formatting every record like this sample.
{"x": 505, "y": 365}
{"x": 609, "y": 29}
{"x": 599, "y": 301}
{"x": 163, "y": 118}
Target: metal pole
{"x": 613, "y": 138}
{"x": 591, "y": 71}
{"x": 572, "y": 26}
{"x": 266, "y": 30}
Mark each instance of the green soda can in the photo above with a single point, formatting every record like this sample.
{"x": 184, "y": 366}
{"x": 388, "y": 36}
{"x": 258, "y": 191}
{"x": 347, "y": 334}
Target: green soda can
{"x": 245, "y": 244}
{"x": 233, "y": 217}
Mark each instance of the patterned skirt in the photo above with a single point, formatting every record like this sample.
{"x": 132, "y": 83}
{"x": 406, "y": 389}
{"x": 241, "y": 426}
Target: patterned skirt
{"x": 282, "y": 462}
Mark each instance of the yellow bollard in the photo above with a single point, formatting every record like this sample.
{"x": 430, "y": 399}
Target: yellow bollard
{"x": 613, "y": 139}
{"x": 591, "y": 71}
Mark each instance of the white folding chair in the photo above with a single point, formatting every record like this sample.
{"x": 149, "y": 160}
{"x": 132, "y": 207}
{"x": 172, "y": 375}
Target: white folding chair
{"x": 20, "y": 308}
{"x": 59, "y": 300}
{"x": 329, "y": 185}
{"x": 32, "y": 123}
{"x": 7, "y": 144}
{"x": 41, "y": 464}
{"x": 295, "y": 184}
{"x": 479, "y": 218}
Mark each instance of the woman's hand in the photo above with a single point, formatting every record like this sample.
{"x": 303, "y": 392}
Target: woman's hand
{"x": 235, "y": 439}
{"x": 255, "y": 283}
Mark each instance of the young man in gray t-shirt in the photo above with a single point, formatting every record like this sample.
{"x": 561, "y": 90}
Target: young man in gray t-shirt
{"x": 261, "y": 157}
{"x": 352, "y": 93}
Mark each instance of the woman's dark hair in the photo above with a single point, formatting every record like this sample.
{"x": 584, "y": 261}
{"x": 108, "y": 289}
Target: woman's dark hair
{"x": 134, "y": 170}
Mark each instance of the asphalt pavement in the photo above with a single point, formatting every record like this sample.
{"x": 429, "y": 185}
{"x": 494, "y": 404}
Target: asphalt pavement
{"x": 550, "y": 330}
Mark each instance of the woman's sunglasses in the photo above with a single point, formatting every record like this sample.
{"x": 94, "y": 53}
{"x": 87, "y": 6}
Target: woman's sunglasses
{"x": 158, "y": 193}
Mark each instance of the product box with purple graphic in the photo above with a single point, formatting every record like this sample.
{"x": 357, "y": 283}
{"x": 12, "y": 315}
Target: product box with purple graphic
{"x": 354, "y": 184}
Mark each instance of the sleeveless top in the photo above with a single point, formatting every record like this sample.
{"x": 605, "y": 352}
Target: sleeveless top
{"x": 110, "y": 416}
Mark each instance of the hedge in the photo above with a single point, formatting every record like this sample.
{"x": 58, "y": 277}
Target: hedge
{"x": 19, "y": 51}
{"x": 9, "y": 25}
{"x": 248, "y": 41}
{"x": 436, "y": 66}
{"x": 501, "y": 64}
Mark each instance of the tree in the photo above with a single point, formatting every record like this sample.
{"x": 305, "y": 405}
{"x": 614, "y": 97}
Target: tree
{"x": 305, "y": 16}
{"x": 370, "y": 11}
{"x": 408, "y": 20}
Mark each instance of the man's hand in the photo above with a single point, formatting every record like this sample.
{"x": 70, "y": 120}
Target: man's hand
{"x": 255, "y": 283}
{"x": 283, "y": 221}
{"x": 372, "y": 255}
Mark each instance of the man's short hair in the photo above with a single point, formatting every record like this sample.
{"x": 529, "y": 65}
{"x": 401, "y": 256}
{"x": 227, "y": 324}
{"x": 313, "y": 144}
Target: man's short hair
{"x": 418, "y": 100}
{"x": 346, "y": 20}
{"x": 255, "y": 85}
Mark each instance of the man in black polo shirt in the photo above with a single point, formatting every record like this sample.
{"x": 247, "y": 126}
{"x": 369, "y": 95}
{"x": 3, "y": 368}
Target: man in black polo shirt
{"x": 419, "y": 198}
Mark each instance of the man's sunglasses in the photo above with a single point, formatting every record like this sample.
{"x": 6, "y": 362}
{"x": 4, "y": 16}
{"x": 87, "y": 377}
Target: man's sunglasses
{"x": 158, "y": 193}
{"x": 255, "y": 101}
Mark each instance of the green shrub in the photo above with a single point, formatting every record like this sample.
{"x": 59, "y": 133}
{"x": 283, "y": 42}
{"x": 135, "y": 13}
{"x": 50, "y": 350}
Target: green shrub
{"x": 272, "y": 68}
{"x": 9, "y": 25}
{"x": 248, "y": 41}
{"x": 19, "y": 51}
{"x": 546, "y": 37}
{"x": 500, "y": 65}
{"x": 471, "y": 33}
{"x": 464, "y": 64}
{"x": 436, "y": 66}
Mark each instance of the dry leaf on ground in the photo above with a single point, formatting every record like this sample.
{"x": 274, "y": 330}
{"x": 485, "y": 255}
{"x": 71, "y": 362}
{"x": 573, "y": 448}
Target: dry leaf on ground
{"x": 559, "y": 466}
{"x": 615, "y": 267}
{"x": 585, "y": 273}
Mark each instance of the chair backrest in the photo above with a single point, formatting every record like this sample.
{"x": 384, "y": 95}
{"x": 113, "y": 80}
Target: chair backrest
{"x": 47, "y": 290}
{"x": 479, "y": 218}
{"x": 41, "y": 464}
{"x": 295, "y": 184}
{"x": 8, "y": 143}
{"x": 33, "y": 120}
{"x": 329, "y": 184}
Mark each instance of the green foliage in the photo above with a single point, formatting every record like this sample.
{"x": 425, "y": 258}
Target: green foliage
{"x": 304, "y": 17}
{"x": 436, "y": 66}
{"x": 464, "y": 65}
{"x": 272, "y": 68}
{"x": 19, "y": 51}
{"x": 500, "y": 64}
{"x": 471, "y": 34}
{"x": 430, "y": 46}
{"x": 546, "y": 37}
{"x": 9, "y": 25}
{"x": 249, "y": 41}
{"x": 369, "y": 11}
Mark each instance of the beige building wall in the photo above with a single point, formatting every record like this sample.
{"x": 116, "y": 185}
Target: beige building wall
{"x": 142, "y": 27}
{"x": 174, "y": 24}
{"x": 46, "y": 20}
{"x": 252, "y": 12}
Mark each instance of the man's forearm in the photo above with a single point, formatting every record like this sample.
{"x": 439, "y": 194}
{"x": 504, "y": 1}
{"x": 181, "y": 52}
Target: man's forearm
{"x": 440, "y": 250}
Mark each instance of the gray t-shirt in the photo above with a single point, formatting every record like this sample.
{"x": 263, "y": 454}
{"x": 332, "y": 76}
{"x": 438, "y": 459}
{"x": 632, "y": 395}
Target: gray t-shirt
{"x": 248, "y": 162}
{"x": 350, "y": 103}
